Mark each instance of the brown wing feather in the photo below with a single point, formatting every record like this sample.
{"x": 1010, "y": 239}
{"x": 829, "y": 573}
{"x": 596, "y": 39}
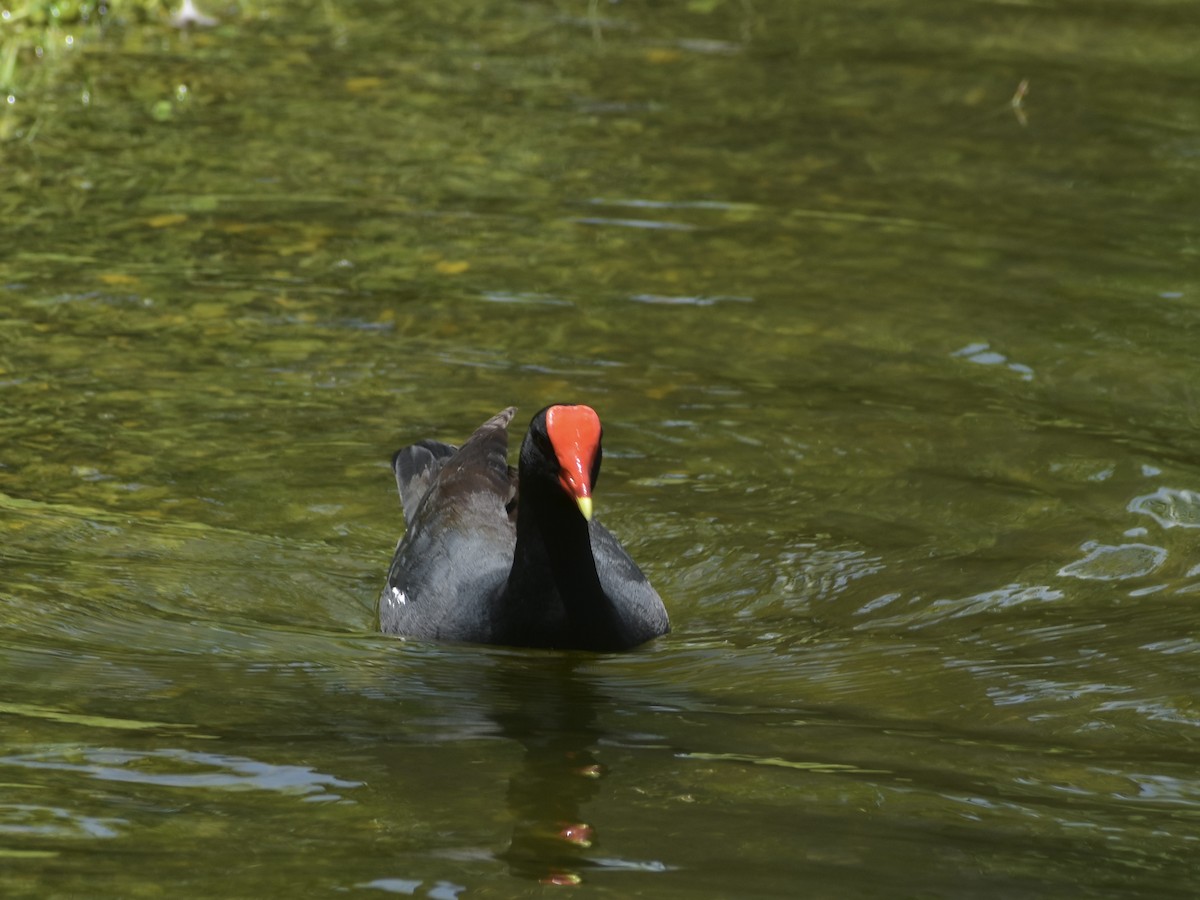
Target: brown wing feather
{"x": 416, "y": 467}
{"x": 481, "y": 464}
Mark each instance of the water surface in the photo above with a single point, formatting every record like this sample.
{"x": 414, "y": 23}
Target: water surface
{"x": 898, "y": 389}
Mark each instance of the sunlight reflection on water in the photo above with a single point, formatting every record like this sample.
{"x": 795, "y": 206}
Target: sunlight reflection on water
{"x": 181, "y": 769}
{"x": 1169, "y": 507}
{"x": 1105, "y": 562}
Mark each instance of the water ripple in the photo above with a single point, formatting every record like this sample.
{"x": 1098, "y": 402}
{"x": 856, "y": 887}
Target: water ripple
{"x": 1169, "y": 507}
{"x": 31, "y": 820}
{"x": 183, "y": 769}
{"x": 1106, "y": 562}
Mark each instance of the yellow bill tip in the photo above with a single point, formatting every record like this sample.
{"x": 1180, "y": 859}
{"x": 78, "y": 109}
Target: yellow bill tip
{"x": 585, "y": 507}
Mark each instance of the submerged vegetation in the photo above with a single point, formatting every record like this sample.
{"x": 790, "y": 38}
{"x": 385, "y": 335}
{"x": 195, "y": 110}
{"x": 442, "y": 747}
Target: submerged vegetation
{"x": 40, "y": 39}
{"x": 35, "y": 31}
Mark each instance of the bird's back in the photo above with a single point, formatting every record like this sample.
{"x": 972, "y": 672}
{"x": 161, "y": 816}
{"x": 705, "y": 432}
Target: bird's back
{"x": 456, "y": 553}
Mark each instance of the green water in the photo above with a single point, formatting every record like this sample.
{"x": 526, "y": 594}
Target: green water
{"x": 900, "y": 412}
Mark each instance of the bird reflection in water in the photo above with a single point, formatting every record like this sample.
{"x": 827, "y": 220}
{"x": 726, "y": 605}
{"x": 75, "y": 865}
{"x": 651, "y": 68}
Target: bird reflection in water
{"x": 549, "y": 708}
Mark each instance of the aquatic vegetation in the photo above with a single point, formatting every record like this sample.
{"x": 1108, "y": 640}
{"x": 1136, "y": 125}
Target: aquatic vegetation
{"x": 46, "y": 44}
{"x": 37, "y": 37}
{"x": 37, "y": 31}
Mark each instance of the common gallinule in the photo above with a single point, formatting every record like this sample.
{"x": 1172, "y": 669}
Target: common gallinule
{"x": 497, "y": 556}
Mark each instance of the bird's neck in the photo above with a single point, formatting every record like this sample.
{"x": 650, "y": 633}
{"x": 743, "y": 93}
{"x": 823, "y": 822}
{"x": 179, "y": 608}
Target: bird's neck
{"x": 554, "y": 572}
